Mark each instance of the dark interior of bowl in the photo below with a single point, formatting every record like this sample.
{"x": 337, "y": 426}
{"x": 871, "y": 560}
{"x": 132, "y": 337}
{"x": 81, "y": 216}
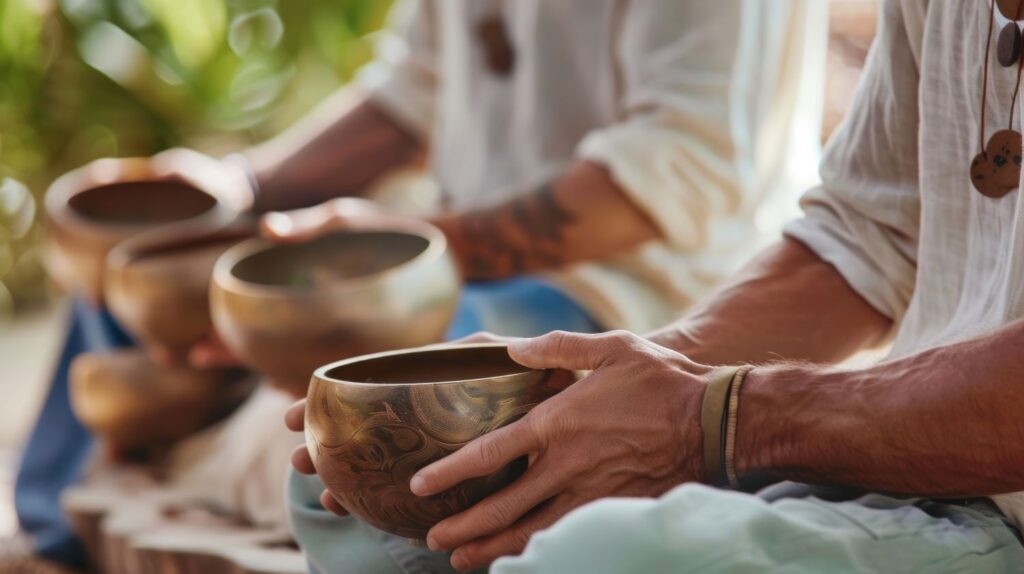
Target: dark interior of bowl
{"x": 334, "y": 257}
{"x": 141, "y": 202}
{"x": 431, "y": 366}
{"x": 186, "y": 245}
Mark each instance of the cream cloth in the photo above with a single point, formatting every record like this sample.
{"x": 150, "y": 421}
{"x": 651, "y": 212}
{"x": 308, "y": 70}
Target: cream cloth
{"x": 241, "y": 464}
{"x": 897, "y": 214}
{"x": 707, "y": 114}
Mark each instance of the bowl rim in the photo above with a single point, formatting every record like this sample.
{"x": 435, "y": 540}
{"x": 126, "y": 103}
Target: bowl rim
{"x": 320, "y": 374}
{"x": 133, "y": 170}
{"x": 190, "y": 233}
{"x": 225, "y": 280}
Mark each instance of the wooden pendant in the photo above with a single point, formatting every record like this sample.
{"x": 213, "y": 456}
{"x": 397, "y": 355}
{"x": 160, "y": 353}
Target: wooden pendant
{"x": 1009, "y": 46}
{"x": 1010, "y": 9}
{"x": 996, "y": 171}
{"x": 498, "y": 50}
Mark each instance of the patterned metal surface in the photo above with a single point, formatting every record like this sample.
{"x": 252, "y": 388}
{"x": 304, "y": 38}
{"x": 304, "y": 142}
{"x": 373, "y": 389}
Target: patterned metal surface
{"x": 372, "y": 422}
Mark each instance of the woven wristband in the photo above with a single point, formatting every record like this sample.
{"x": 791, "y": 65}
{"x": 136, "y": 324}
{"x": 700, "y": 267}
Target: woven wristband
{"x": 732, "y": 421}
{"x": 712, "y": 423}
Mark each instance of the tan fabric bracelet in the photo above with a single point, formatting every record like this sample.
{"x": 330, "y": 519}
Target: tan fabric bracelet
{"x": 712, "y": 423}
{"x": 732, "y": 421}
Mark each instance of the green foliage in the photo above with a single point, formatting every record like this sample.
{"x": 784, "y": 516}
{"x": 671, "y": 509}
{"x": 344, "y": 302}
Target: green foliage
{"x": 83, "y": 79}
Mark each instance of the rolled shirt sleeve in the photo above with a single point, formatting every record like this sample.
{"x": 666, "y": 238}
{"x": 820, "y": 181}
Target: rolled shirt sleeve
{"x": 673, "y": 152}
{"x": 706, "y": 111}
{"x": 402, "y": 79}
{"x": 864, "y": 218}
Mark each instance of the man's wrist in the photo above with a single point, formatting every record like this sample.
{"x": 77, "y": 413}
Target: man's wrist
{"x": 780, "y": 434}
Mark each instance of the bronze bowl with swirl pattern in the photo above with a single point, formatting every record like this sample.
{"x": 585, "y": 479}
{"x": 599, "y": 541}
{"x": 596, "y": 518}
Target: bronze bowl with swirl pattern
{"x": 373, "y": 421}
{"x": 285, "y": 309}
{"x": 92, "y": 209}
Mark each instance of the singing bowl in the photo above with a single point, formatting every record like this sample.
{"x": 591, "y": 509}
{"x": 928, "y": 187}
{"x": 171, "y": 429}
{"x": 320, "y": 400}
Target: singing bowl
{"x": 157, "y": 285}
{"x": 92, "y": 209}
{"x": 127, "y": 399}
{"x": 372, "y": 422}
{"x": 286, "y": 309}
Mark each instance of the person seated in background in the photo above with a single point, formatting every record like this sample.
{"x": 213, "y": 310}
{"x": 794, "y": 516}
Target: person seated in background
{"x": 918, "y": 233}
{"x": 601, "y": 165}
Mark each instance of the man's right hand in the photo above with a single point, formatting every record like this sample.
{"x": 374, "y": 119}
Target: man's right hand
{"x": 228, "y": 180}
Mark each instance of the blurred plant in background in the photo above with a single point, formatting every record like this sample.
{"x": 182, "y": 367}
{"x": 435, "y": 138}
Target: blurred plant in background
{"x": 83, "y": 79}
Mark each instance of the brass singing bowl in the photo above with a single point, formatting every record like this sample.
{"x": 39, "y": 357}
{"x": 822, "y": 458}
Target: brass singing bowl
{"x": 92, "y": 209}
{"x": 286, "y": 309}
{"x": 127, "y": 399}
{"x": 157, "y": 285}
{"x": 372, "y": 422}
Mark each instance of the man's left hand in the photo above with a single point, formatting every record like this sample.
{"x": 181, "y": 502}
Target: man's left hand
{"x": 630, "y": 428}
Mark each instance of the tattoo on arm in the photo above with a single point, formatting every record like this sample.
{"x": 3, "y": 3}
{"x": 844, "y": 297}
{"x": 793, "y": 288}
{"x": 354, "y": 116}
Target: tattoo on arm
{"x": 527, "y": 234}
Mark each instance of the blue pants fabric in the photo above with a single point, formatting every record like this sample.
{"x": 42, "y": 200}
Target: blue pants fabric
{"x": 59, "y": 446}
{"x": 519, "y": 307}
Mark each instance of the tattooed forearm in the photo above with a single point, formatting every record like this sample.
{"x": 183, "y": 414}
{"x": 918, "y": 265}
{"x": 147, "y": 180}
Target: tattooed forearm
{"x": 582, "y": 216}
{"x": 527, "y": 234}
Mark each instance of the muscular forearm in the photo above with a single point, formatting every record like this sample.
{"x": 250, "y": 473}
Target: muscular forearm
{"x": 787, "y": 304}
{"x": 946, "y": 422}
{"x": 584, "y": 215}
{"x": 332, "y": 153}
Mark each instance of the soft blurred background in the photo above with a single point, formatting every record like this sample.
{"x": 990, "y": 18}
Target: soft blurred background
{"x": 84, "y": 79}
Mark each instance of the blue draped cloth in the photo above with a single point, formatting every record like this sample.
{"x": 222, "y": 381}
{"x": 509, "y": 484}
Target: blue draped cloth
{"x": 58, "y": 448}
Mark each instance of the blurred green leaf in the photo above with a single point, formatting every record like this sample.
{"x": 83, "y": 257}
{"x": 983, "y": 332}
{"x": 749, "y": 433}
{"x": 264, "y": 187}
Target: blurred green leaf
{"x": 82, "y": 79}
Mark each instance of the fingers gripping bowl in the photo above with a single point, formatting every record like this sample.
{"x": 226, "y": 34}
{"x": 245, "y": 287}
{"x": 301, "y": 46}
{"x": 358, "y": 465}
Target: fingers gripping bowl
{"x": 372, "y": 422}
{"x": 286, "y": 309}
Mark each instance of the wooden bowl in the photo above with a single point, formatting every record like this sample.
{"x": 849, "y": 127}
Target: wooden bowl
{"x": 158, "y": 284}
{"x": 92, "y": 209}
{"x": 372, "y": 422}
{"x": 127, "y": 399}
{"x": 286, "y": 309}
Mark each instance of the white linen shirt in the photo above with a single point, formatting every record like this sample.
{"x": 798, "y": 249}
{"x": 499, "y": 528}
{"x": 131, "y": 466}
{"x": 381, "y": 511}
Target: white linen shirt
{"x": 692, "y": 106}
{"x": 897, "y": 214}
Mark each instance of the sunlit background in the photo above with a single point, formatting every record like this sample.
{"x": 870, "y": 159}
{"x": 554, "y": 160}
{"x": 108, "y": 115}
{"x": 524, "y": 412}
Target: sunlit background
{"x": 82, "y": 79}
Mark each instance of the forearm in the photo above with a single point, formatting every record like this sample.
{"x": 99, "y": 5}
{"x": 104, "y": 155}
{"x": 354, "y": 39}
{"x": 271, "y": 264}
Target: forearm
{"x": 332, "y": 153}
{"x": 787, "y": 304}
{"x": 946, "y": 422}
{"x": 582, "y": 216}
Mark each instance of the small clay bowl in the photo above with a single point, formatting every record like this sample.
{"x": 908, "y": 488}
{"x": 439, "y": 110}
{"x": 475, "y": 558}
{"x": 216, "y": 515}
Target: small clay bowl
{"x": 92, "y": 209}
{"x": 286, "y": 309}
{"x": 157, "y": 284}
{"x": 372, "y": 422}
{"x": 127, "y": 399}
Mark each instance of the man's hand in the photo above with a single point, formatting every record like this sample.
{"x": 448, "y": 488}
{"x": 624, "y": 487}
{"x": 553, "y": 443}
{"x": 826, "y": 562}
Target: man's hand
{"x": 312, "y": 222}
{"x": 295, "y": 420}
{"x": 630, "y": 428}
{"x": 224, "y": 178}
